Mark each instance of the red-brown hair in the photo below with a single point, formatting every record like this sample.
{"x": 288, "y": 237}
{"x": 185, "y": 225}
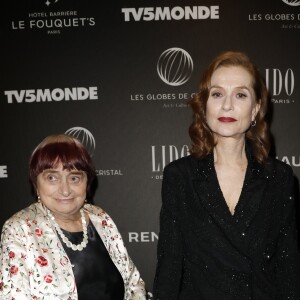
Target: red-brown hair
{"x": 61, "y": 149}
{"x": 202, "y": 137}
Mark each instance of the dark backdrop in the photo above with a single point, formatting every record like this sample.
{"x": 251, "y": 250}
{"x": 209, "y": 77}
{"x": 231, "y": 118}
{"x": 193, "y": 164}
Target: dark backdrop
{"x": 128, "y": 69}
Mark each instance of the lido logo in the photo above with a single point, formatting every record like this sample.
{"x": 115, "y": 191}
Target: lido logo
{"x": 280, "y": 81}
{"x": 84, "y": 136}
{"x": 175, "y": 66}
{"x": 162, "y": 155}
{"x": 292, "y": 2}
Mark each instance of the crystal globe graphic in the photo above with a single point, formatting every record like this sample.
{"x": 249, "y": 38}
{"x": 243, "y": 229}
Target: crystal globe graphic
{"x": 292, "y": 2}
{"x": 175, "y": 66}
{"x": 84, "y": 136}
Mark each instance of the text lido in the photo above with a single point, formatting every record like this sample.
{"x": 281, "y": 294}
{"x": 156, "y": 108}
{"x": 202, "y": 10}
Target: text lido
{"x": 162, "y": 155}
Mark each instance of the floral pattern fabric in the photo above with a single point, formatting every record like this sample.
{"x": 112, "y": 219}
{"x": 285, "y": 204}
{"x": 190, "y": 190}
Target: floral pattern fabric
{"x": 34, "y": 265}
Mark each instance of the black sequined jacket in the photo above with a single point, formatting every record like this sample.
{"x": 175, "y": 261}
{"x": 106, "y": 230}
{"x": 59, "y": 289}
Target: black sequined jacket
{"x": 206, "y": 253}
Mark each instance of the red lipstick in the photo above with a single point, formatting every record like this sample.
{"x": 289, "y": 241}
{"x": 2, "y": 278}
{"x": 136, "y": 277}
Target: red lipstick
{"x": 226, "y": 119}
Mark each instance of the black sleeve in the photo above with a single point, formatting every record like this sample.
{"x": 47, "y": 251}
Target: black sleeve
{"x": 288, "y": 259}
{"x": 169, "y": 252}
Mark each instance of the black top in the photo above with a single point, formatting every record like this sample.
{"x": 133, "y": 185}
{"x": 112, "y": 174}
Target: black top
{"x": 205, "y": 253}
{"x": 96, "y": 276}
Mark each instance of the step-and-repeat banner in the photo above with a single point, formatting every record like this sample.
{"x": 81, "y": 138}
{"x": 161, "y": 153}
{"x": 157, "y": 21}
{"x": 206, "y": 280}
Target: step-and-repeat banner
{"x": 118, "y": 75}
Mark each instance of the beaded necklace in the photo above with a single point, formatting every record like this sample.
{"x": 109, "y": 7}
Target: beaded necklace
{"x": 84, "y": 242}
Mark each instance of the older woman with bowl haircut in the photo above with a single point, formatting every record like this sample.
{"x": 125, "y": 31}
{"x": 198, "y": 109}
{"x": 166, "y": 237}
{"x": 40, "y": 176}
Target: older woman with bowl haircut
{"x": 62, "y": 247}
{"x": 227, "y": 224}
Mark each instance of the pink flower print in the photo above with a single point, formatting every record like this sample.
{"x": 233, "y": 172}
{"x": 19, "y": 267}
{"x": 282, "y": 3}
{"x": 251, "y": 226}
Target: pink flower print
{"x": 64, "y": 260}
{"x": 11, "y": 254}
{"x": 38, "y": 232}
{"x": 1, "y": 286}
{"x": 44, "y": 250}
{"x": 104, "y": 223}
{"x": 48, "y": 278}
{"x": 13, "y": 270}
{"x": 42, "y": 261}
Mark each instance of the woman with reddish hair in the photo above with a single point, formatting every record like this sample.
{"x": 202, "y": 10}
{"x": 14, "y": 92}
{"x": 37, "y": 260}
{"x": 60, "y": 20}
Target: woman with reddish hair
{"x": 62, "y": 247}
{"x": 227, "y": 222}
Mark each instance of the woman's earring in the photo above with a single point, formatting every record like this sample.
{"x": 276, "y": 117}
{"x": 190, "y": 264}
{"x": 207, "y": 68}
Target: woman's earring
{"x": 253, "y": 123}
{"x": 38, "y": 199}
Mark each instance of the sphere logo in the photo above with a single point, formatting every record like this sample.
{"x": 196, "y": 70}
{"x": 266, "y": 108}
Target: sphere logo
{"x": 175, "y": 66}
{"x": 48, "y": 2}
{"x": 84, "y": 136}
{"x": 292, "y": 2}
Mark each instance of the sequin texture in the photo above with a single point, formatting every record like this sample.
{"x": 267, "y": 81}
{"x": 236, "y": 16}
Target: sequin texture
{"x": 206, "y": 253}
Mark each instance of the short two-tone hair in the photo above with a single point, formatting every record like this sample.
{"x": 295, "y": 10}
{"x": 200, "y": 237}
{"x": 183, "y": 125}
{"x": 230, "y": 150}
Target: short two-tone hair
{"x": 65, "y": 150}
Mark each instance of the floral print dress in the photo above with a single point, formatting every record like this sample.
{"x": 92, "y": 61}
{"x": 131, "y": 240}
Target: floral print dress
{"x": 34, "y": 265}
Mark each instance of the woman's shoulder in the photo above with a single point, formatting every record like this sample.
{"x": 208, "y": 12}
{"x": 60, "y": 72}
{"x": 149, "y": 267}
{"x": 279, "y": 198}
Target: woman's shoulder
{"x": 26, "y": 215}
{"x": 100, "y": 218}
{"x": 97, "y": 212}
{"x": 25, "y": 221}
{"x": 94, "y": 209}
{"x": 278, "y": 166}
{"x": 183, "y": 164}
{"x": 278, "y": 170}
{"x": 188, "y": 168}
